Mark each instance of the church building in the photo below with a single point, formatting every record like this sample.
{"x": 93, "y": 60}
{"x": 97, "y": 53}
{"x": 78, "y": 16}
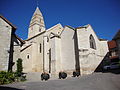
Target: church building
{"x": 61, "y": 48}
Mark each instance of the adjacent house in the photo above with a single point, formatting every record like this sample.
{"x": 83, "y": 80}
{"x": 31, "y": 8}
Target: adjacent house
{"x": 113, "y": 51}
{"x": 114, "y": 48}
{"x": 117, "y": 40}
{"x": 10, "y": 45}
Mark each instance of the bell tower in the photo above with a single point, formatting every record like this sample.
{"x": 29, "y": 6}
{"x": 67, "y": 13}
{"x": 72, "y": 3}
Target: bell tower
{"x": 36, "y": 24}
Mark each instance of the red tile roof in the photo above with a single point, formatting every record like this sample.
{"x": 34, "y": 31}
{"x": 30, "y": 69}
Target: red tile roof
{"x": 114, "y": 57}
{"x": 112, "y": 44}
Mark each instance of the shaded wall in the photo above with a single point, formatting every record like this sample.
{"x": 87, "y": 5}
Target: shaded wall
{"x": 5, "y": 40}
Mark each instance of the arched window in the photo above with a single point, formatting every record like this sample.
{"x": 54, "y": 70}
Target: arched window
{"x": 92, "y": 42}
{"x": 28, "y": 56}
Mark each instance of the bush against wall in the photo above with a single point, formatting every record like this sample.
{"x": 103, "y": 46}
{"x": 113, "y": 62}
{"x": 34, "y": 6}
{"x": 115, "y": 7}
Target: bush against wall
{"x": 6, "y": 77}
{"x": 9, "y": 77}
{"x": 19, "y": 66}
{"x": 19, "y": 73}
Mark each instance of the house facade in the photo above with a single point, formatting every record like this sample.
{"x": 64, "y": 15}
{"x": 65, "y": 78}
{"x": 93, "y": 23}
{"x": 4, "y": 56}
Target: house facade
{"x": 114, "y": 48}
{"x": 10, "y": 45}
{"x": 116, "y": 38}
{"x": 113, "y": 51}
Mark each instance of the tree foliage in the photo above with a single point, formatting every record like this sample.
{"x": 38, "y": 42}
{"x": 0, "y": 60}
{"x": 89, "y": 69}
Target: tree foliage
{"x": 19, "y": 66}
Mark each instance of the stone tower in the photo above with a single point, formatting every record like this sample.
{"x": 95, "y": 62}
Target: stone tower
{"x": 36, "y": 24}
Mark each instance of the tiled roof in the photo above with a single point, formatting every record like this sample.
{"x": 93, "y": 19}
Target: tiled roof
{"x": 35, "y": 36}
{"x": 112, "y": 44}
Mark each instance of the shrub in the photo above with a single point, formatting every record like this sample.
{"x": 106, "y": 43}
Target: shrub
{"x": 19, "y": 67}
{"x": 9, "y": 77}
{"x": 20, "y": 76}
{"x": 6, "y": 77}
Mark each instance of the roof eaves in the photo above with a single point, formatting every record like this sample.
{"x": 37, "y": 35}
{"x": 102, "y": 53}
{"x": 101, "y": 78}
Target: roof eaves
{"x": 22, "y": 41}
{"x": 25, "y": 48}
{"x": 103, "y": 39}
{"x": 14, "y": 27}
{"x": 55, "y": 35}
{"x": 85, "y": 26}
{"x": 69, "y": 27}
{"x": 35, "y": 36}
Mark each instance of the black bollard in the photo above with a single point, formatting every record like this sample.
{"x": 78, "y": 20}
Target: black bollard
{"x": 62, "y": 75}
{"x": 45, "y": 76}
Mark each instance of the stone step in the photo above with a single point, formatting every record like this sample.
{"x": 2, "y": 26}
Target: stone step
{"x": 33, "y": 76}
{"x": 36, "y": 76}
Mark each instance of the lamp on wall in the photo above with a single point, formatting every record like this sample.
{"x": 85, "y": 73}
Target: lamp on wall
{"x": 8, "y": 51}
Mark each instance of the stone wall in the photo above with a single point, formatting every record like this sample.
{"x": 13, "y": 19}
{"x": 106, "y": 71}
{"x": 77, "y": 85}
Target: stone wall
{"x": 27, "y": 59}
{"x": 63, "y": 49}
{"x": 68, "y": 50}
{"x": 5, "y": 39}
{"x": 16, "y": 51}
{"x": 31, "y": 49}
{"x": 90, "y": 58}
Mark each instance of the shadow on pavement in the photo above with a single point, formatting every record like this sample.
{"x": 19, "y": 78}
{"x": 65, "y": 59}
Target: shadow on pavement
{"x": 8, "y": 88}
{"x": 100, "y": 69}
{"x": 103, "y": 63}
{"x": 115, "y": 71}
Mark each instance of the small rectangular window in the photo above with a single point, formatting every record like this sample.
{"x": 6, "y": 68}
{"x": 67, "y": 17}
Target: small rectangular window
{"x": 40, "y": 48}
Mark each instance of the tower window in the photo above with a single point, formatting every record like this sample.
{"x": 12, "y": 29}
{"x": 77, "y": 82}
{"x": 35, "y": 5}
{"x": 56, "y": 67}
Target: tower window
{"x": 39, "y": 29}
{"x": 40, "y": 20}
{"x": 92, "y": 42}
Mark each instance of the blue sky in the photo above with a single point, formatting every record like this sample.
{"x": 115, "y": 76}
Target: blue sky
{"x": 103, "y": 15}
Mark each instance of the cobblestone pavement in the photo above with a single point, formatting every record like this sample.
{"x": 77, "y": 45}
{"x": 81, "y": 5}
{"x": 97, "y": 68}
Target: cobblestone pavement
{"x": 96, "y": 81}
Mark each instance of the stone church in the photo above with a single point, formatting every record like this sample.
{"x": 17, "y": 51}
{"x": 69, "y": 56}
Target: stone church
{"x": 61, "y": 48}
{"x": 51, "y": 50}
